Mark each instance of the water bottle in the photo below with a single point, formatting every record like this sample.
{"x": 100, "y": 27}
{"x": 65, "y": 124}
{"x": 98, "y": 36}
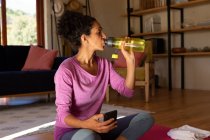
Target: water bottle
{"x": 137, "y": 44}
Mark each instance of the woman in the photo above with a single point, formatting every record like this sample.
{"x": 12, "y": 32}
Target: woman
{"x": 81, "y": 83}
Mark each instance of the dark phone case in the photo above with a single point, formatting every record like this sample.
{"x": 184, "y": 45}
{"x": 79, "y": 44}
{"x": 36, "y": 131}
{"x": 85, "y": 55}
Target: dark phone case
{"x": 111, "y": 114}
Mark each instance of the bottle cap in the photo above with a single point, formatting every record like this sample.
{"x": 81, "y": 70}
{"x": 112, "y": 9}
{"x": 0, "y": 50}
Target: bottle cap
{"x": 109, "y": 41}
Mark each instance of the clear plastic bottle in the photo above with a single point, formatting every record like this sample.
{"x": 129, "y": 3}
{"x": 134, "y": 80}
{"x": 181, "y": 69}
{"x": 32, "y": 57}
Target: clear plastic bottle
{"x": 137, "y": 44}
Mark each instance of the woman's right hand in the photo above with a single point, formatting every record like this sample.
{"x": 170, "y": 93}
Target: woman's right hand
{"x": 93, "y": 123}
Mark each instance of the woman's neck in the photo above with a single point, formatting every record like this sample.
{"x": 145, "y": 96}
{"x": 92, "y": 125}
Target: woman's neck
{"x": 87, "y": 62}
{"x": 85, "y": 58}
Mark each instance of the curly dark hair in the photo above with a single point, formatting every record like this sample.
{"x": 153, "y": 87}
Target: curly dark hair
{"x": 72, "y": 25}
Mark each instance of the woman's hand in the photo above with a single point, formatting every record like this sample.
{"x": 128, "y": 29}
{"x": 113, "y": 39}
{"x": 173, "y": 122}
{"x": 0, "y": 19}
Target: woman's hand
{"x": 93, "y": 123}
{"x": 128, "y": 54}
{"x": 130, "y": 60}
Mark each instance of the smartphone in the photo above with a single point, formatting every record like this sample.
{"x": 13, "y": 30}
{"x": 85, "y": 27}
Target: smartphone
{"x": 109, "y": 115}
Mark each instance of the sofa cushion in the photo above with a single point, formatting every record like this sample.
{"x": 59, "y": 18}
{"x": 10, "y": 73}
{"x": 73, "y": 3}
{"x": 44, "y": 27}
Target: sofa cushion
{"x": 39, "y": 59}
{"x": 15, "y": 57}
{"x": 121, "y": 63}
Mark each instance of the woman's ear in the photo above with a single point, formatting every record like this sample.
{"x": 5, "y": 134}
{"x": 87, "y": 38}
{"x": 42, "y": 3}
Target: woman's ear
{"x": 83, "y": 39}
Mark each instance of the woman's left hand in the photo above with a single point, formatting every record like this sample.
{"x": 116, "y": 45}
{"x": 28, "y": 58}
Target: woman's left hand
{"x": 128, "y": 54}
{"x": 130, "y": 60}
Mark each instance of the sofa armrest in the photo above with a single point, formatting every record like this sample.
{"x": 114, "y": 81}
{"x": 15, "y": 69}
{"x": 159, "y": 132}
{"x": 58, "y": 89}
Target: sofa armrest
{"x": 57, "y": 62}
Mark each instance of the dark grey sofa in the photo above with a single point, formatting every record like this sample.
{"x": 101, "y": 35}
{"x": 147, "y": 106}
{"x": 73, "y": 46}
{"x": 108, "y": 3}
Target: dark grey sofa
{"x": 13, "y": 81}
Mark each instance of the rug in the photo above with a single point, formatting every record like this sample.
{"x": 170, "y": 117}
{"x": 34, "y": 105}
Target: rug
{"x": 39, "y": 118}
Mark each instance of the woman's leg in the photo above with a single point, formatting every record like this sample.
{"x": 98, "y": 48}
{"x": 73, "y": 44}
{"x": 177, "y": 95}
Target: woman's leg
{"x": 138, "y": 126}
{"x": 130, "y": 127}
{"x": 81, "y": 134}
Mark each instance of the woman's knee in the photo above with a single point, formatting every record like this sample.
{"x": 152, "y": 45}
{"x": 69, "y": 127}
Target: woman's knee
{"x": 144, "y": 116}
{"x": 139, "y": 124}
{"x": 86, "y": 134}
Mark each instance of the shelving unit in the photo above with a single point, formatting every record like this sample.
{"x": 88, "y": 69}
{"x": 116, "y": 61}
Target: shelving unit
{"x": 168, "y": 8}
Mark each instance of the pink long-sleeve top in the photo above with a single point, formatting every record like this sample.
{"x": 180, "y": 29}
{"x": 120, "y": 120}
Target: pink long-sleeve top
{"x": 80, "y": 93}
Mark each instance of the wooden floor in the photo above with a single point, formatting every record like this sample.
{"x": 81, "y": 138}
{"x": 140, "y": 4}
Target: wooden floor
{"x": 169, "y": 108}
{"x": 174, "y": 108}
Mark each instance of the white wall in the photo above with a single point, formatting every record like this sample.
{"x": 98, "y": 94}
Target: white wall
{"x": 110, "y": 13}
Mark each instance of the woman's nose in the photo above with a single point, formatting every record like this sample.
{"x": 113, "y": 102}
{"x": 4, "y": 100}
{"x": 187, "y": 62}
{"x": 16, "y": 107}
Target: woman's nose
{"x": 103, "y": 35}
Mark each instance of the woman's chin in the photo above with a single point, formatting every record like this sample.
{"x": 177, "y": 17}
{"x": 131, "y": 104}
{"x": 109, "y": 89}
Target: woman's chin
{"x": 101, "y": 49}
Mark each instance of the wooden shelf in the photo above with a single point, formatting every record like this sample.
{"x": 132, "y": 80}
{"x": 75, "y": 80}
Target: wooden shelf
{"x": 183, "y": 54}
{"x": 148, "y": 34}
{"x": 190, "y": 3}
{"x": 193, "y": 28}
{"x": 192, "y": 54}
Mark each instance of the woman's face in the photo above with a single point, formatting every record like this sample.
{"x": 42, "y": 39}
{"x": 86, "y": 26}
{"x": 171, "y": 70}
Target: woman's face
{"x": 96, "y": 39}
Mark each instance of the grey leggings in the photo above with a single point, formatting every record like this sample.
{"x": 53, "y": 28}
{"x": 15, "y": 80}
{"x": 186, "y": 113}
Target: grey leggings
{"x": 131, "y": 127}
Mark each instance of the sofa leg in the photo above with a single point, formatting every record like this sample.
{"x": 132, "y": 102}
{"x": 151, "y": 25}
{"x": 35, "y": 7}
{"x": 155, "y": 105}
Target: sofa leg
{"x": 48, "y": 97}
